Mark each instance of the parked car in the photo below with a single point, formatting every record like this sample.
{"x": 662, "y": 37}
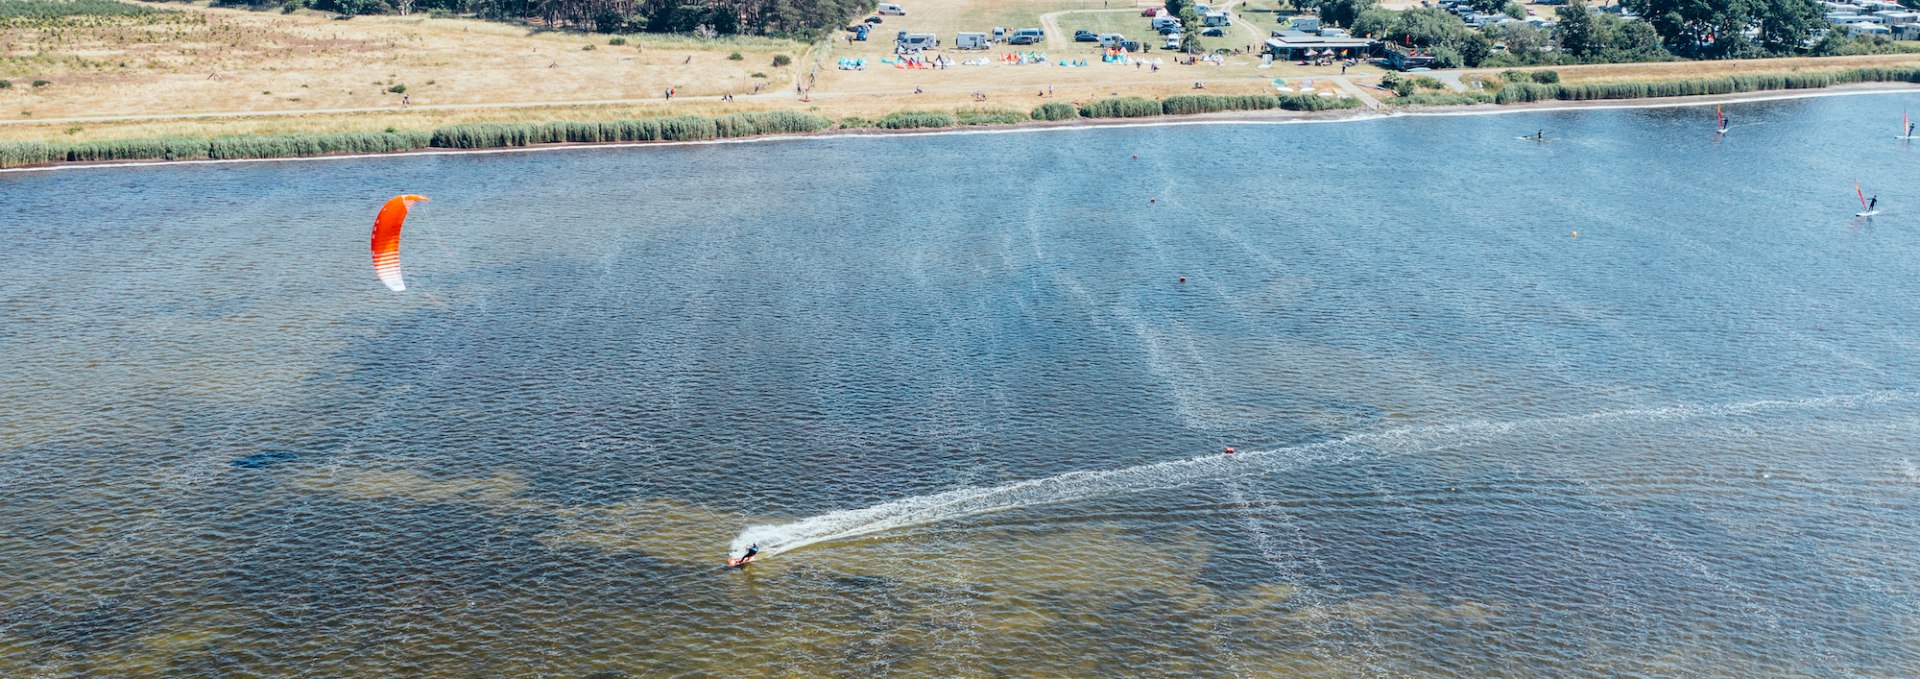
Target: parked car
{"x": 1112, "y": 39}
{"x": 1084, "y": 35}
{"x": 1133, "y": 46}
{"x": 1152, "y": 11}
{"x": 1173, "y": 42}
{"x": 871, "y": 20}
{"x": 1169, "y": 30}
{"x": 1213, "y": 33}
{"x": 1027, "y": 36}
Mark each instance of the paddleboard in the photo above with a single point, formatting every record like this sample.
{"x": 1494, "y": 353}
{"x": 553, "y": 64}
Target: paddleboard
{"x": 1530, "y": 137}
{"x": 1905, "y": 137}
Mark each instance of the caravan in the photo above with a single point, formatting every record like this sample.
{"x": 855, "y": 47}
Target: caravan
{"x": 970, "y": 41}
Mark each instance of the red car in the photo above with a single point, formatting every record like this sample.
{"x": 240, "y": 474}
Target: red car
{"x": 1150, "y": 11}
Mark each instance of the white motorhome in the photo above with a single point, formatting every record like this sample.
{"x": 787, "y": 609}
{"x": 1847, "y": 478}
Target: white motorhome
{"x": 1218, "y": 19}
{"x": 1164, "y": 21}
{"x": 970, "y": 41}
{"x": 1111, "y": 39}
{"x": 915, "y": 42}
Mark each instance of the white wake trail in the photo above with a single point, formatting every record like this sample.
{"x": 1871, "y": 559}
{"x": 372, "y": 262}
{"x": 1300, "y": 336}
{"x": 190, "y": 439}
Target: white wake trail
{"x": 1076, "y": 486}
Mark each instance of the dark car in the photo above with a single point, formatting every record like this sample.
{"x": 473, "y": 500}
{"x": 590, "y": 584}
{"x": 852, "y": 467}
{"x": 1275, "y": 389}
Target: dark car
{"x": 872, "y": 20}
{"x": 1133, "y": 46}
{"x": 1169, "y": 30}
{"x": 1213, "y": 33}
{"x": 1084, "y": 35}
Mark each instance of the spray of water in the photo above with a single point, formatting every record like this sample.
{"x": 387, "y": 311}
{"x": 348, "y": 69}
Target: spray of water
{"x": 1084, "y": 485}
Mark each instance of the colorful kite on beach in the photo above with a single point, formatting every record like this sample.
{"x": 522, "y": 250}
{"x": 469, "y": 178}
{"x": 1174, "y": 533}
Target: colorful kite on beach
{"x": 386, "y": 240}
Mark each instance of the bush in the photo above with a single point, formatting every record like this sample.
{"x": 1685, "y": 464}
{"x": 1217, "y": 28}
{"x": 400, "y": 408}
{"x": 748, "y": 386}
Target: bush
{"x": 587, "y": 48}
{"x": 41, "y": 83}
{"x": 1525, "y": 92}
{"x": 757, "y": 74}
{"x": 616, "y": 41}
{"x": 910, "y": 120}
{"x": 6, "y": 84}
{"x": 1182, "y": 104}
{"x": 678, "y": 128}
{"x": 989, "y": 117}
{"x": 14, "y": 154}
{"x": 1515, "y": 76}
{"x": 1314, "y": 102}
{"x": 1442, "y": 99}
{"x": 735, "y": 57}
{"x": 398, "y": 89}
{"x": 781, "y": 60}
{"x": 1121, "y": 107}
{"x": 854, "y": 123}
{"x": 1546, "y": 77}
{"x": 1055, "y": 110}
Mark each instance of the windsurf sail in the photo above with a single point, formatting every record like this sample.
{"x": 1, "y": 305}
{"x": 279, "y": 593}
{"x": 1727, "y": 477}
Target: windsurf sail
{"x": 1722, "y": 113}
{"x": 1863, "y": 197}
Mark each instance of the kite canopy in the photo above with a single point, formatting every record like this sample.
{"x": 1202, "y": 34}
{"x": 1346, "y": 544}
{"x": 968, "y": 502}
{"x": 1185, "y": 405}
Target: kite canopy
{"x": 386, "y": 240}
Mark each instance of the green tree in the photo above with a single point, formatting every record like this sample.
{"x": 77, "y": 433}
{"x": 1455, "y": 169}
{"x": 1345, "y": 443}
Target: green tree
{"x": 1190, "y": 30}
{"x": 1343, "y": 12}
{"x": 1577, "y": 30}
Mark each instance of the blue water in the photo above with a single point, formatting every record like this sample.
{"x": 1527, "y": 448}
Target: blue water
{"x": 1472, "y": 443}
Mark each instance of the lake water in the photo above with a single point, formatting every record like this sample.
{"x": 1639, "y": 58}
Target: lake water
{"x": 1685, "y": 442}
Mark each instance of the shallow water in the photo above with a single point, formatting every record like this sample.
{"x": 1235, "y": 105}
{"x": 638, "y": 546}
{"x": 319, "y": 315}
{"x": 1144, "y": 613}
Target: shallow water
{"x": 1473, "y": 444}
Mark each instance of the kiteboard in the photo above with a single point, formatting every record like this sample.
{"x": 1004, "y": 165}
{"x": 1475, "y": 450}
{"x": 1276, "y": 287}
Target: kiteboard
{"x": 1868, "y": 213}
{"x": 741, "y": 561}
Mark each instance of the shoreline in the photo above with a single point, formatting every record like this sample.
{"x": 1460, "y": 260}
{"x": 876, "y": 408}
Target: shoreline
{"x": 1271, "y": 117}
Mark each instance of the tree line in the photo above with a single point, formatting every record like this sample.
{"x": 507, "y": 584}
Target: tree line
{"x": 1666, "y": 29}
{"x": 803, "y": 19}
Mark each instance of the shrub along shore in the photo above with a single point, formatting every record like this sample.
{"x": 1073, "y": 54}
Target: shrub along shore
{"x": 701, "y": 128}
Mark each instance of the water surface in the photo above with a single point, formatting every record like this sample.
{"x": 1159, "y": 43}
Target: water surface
{"x": 1473, "y": 444}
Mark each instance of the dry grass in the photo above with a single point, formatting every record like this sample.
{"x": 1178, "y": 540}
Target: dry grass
{"x": 291, "y": 69}
{"x": 205, "y": 60}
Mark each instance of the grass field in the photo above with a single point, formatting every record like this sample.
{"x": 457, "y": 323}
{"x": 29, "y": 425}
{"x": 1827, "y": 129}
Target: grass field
{"x": 272, "y": 73}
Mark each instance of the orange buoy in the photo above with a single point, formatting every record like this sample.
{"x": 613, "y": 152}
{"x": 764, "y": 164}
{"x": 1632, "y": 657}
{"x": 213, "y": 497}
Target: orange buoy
{"x": 1230, "y": 450}
{"x": 1183, "y": 279}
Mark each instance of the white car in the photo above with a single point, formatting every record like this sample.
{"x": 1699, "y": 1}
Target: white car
{"x": 895, "y": 10}
{"x": 1173, "y": 42}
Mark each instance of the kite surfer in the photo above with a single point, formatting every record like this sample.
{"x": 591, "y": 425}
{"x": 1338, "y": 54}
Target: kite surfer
{"x": 752, "y": 551}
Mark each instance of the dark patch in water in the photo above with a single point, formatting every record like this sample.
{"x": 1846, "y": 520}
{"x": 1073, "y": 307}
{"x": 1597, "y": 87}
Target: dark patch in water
{"x": 262, "y": 460}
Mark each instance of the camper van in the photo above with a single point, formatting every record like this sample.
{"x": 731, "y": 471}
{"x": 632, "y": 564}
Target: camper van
{"x": 1218, "y": 19}
{"x": 914, "y": 42}
{"x": 1163, "y": 21}
{"x": 1027, "y": 36}
{"x": 888, "y": 8}
{"x": 970, "y": 41}
{"x": 1111, "y": 39}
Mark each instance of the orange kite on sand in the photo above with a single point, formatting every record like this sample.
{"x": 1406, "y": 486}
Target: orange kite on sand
{"x": 386, "y": 240}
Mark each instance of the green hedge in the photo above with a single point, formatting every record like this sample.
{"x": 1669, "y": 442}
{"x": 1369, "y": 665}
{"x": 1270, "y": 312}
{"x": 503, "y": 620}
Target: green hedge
{"x": 1055, "y": 110}
{"x": 913, "y": 120}
{"x": 471, "y": 136}
{"x": 990, "y": 117}
{"x": 1442, "y": 99}
{"x": 1515, "y": 93}
{"x": 16, "y": 154}
{"x": 1121, "y": 107}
